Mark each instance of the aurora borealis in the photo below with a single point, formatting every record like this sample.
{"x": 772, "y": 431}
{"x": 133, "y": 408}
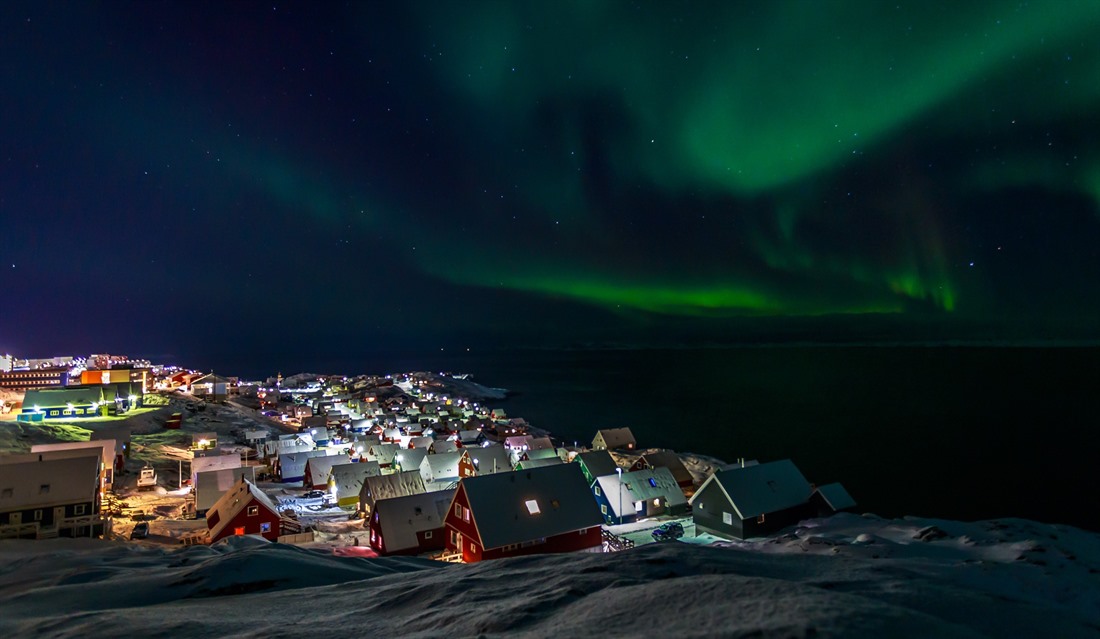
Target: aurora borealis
{"x": 447, "y": 173}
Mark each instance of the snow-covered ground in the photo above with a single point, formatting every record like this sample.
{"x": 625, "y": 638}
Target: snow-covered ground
{"x": 848, "y": 576}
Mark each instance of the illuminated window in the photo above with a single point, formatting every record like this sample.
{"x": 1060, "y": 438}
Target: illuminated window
{"x": 253, "y": 511}
{"x": 532, "y": 506}
{"x": 265, "y": 527}
{"x": 652, "y": 482}
{"x": 760, "y": 519}
{"x": 239, "y": 530}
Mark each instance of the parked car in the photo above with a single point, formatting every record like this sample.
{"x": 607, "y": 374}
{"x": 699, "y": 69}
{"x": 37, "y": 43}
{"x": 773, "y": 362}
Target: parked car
{"x": 314, "y": 494}
{"x": 140, "y": 531}
{"x": 668, "y": 531}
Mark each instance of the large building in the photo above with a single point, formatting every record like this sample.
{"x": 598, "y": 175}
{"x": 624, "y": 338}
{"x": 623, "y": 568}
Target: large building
{"x": 38, "y": 378}
{"x": 45, "y": 496}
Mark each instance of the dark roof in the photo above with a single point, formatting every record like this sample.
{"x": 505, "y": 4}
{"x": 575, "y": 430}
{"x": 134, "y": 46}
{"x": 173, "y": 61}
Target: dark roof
{"x": 598, "y": 462}
{"x": 670, "y": 460}
{"x": 559, "y": 493}
{"x": 59, "y": 397}
{"x": 765, "y": 488}
{"x": 836, "y": 497}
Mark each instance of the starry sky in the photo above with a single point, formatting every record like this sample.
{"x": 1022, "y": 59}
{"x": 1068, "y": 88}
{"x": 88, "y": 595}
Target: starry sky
{"x": 224, "y": 181}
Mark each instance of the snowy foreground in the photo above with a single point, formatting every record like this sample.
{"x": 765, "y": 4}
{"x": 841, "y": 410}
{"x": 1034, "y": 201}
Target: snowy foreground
{"x": 848, "y": 576}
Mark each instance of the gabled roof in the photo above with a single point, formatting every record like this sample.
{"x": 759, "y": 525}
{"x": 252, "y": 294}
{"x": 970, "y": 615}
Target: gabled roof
{"x": 60, "y": 397}
{"x": 214, "y": 462}
{"x": 383, "y": 453}
{"x": 518, "y": 442}
{"x": 616, "y": 437}
{"x": 233, "y": 502}
{"x": 489, "y": 460}
{"x": 761, "y": 489}
{"x": 400, "y": 518}
{"x": 421, "y": 442}
{"x": 541, "y": 443}
{"x": 444, "y": 446}
{"x": 558, "y": 493}
{"x": 320, "y": 467}
{"x": 542, "y": 453}
{"x": 349, "y": 477}
{"x": 410, "y": 458}
{"x": 468, "y": 436}
{"x": 105, "y": 447}
{"x": 538, "y": 463}
{"x": 210, "y": 485}
{"x": 670, "y": 460}
{"x": 50, "y": 482}
{"x": 395, "y": 485}
{"x": 640, "y": 485}
{"x": 598, "y": 462}
{"x": 836, "y": 497}
{"x": 442, "y": 466}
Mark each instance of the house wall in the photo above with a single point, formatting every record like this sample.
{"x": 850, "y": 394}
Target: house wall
{"x": 252, "y": 523}
{"x": 709, "y": 517}
{"x": 27, "y": 515}
{"x": 453, "y": 524}
{"x": 565, "y": 542}
{"x": 774, "y": 522}
{"x": 426, "y": 540}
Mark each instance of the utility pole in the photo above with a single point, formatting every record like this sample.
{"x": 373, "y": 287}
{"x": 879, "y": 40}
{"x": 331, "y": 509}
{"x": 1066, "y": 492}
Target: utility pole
{"x": 619, "y": 471}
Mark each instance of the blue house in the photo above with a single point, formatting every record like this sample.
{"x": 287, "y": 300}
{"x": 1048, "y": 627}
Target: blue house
{"x": 638, "y": 494}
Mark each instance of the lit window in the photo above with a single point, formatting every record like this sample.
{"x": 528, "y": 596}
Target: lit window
{"x": 239, "y": 531}
{"x": 253, "y": 511}
{"x": 760, "y": 519}
{"x": 653, "y": 482}
{"x": 265, "y": 527}
{"x": 532, "y": 506}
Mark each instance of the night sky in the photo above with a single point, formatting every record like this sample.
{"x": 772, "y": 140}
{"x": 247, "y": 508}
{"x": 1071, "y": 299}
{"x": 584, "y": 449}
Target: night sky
{"x": 221, "y": 182}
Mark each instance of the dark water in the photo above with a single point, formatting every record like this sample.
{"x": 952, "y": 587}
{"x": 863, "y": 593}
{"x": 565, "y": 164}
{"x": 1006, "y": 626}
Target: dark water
{"x": 960, "y": 433}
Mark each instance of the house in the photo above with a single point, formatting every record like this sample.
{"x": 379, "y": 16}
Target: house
{"x": 390, "y": 435}
{"x": 544, "y": 510}
{"x": 614, "y": 439}
{"x": 292, "y": 466}
{"x": 527, "y": 464}
{"x": 440, "y": 471}
{"x": 595, "y": 463}
{"x": 212, "y": 462}
{"x": 383, "y": 454}
{"x": 50, "y": 494}
{"x": 65, "y": 403}
{"x": 242, "y": 510}
{"x": 389, "y": 486}
{"x": 488, "y": 460}
{"x": 107, "y": 449}
{"x": 638, "y": 494}
{"x": 410, "y": 525}
{"x": 443, "y": 446}
{"x": 347, "y": 480}
{"x": 518, "y": 443}
{"x": 541, "y": 443}
{"x": 670, "y": 460}
{"x": 830, "y": 499}
{"x": 751, "y": 501}
{"x": 210, "y": 485}
{"x": 318, "y": 469}
{"x": 409, "y": 459}
{"x": 314, "y": 421}
{"x": 421, "y": 442}
{"x": 498, "y": 414}
{"x": 469, "y": 437}
{"x": 213, "y": 387}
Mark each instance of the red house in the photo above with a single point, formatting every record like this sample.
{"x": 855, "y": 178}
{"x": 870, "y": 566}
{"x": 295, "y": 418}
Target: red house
{"x": 537, "y": 511}
{"x": 243, "y": 510}
{"x": 410, "y": 525}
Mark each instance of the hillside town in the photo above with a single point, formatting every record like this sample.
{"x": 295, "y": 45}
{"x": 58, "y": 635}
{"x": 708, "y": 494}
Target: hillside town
{"x": 418, "y": 463}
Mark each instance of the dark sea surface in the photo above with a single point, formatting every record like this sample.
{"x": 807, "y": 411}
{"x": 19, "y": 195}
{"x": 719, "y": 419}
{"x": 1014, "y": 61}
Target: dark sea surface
{"x": 954, "y": 432}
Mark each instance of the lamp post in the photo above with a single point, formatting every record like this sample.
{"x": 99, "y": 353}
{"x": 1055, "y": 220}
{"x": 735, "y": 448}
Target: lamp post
{"x": 619, "y": 471}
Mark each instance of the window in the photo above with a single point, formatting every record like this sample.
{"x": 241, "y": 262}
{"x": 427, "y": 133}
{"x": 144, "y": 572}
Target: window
{"x": 454, "y": 538}
{"x": 652, "y": 482}
{"x": 265, "y": 527}
{"x": 760, "y": 519}
{"x": 44, "y": 489}
{"x": 603, "y": 508}
{"x": 532, "y": 506}
{"x": 253, "y": 511}
{"x": 79, "y": 509}
{"x": 597, "y": 489}
{"x": 7, "y": 492}
{"x": 428, "y": 534}
{"x": 473, "y": 547}
{"x": 555, "y": 504}
{"x": 239, "y": 530}
{"x": 38, "y": 515}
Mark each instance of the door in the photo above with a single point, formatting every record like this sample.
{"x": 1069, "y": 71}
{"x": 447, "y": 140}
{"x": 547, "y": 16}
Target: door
{"x": 15, "y": 519}
{"x": 58, "y": 515}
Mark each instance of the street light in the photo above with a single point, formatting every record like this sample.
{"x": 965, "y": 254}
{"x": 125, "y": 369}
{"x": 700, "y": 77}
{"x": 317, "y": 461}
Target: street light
{"x": 619, "y": 471}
